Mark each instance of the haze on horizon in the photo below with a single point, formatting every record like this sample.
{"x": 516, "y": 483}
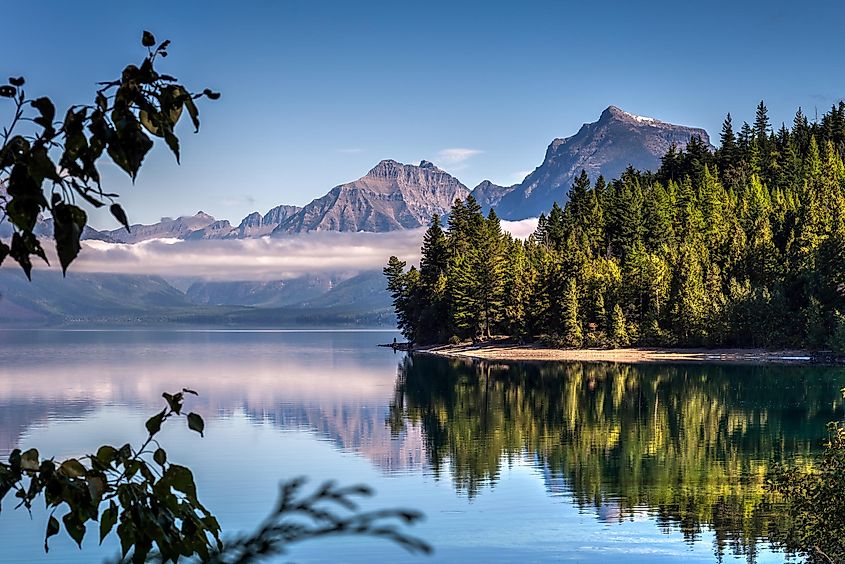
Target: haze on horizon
{"x": 315, "y": 94}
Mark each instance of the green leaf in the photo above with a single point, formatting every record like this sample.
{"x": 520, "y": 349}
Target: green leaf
{"x": 41, "y": 167}
{"x": 193, "y": 112}
{"x": 68, "y": 223}
{"x": 47, "y": 110}
{"x": 194, "y": 392}
{"x": 97, "y": 486}
{"x": 195, "y": 423}
{"x": 154, "y": 423}
{"x": 19, "y": 81}
{"x": 8, "y": 91}
{"x": 148, "y": 40}
{"x": 30, "y": 460}
{"x": 128, "y": 147}
{"x": 211, "y": 94}
{"x": 52, "y": 530}
{"x": 74, "y": 527}
{"x": 126, "y": 532}
{"x": 172, "y": 142}
{"x": 148, "y": 121}
{"x": 182, "y": 480}
{"x": 107, "y": 520}
{"x": 106, "y": 454}
{"x": 119, "y": 215}
{"x": 160, "y": 456}
{"x": 72, "y": 468}
{"x": 174, "y": 401}
{"x": 145, "y": 471}
{"x": 24, "y": 245}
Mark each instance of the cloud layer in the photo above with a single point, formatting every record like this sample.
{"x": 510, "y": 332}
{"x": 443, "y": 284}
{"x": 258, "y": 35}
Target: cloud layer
{"x": 260, "y": 259}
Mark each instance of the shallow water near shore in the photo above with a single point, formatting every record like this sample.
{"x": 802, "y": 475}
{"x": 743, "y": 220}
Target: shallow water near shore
{"x": 529, "y": 462}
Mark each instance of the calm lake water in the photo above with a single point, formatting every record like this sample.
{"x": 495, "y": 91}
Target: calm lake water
{"x": 510, "y": 462}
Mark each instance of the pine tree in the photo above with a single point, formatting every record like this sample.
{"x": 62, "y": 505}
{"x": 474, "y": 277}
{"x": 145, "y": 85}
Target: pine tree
{"x": 462, "y": 292}
{"x": 571, "y": 332}
{"x": 517, "y": 279}
{"x": 600, "y": 315}
{"x": 434, "y": 263}
{"x": 555, "y": 227}
{"x": 801, "y": 131}
{"x": 402, "y": 287}
{"x": 762, "y": 125}
{"x": 617, "y": 331}
{"x": 578, "y": 199}
{"x": 744, "y": 140}
{"x": 488, "y": 269}
{"x": 458, "y": 228}
{"x": 728, "y": 151}
{"x": 670, "y": 166}
{"x": 434, "y": 257}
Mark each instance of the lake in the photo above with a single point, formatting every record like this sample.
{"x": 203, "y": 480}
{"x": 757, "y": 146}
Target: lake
{"x": 525, "y": 462}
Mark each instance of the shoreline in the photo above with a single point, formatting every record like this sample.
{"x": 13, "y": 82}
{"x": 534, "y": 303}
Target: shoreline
{"x": 502, "y": 350}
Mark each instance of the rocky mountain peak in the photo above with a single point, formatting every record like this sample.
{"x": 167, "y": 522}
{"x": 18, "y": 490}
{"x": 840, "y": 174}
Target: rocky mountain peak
{"x": 386, "y": 168}
{"x": 615, "y": 112}
{"x": 488, "y": 195}
{"x": 605, "y": 147}
{"x": 391, "y": 196}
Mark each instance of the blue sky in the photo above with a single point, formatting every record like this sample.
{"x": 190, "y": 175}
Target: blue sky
{"x": 316, "y": 93}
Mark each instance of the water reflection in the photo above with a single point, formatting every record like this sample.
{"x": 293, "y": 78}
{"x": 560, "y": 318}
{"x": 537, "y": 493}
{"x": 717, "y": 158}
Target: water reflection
{"x": 326, "y": 382}
{"x": 687, "y": 444}
{"x": 685, "y": 447}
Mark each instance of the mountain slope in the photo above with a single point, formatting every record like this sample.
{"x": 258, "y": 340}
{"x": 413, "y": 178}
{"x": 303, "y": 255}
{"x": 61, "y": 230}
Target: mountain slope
{"x": 276, "y": 293}
{"x": 256, "y": 225}
{"x": 50, "y": 297}
{"x": 488, "y": 195}
{"x": 389, "y": 197}
{"x": 605, "y": 147}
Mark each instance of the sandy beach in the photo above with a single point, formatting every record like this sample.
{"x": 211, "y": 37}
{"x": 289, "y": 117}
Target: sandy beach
{"x": 505, "y": 350}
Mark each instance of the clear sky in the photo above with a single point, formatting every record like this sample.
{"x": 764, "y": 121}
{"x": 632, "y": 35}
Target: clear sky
{"x": 315, "y": 93}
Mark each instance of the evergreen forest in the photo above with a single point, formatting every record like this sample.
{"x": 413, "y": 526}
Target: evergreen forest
{"x": 739, "y": 246}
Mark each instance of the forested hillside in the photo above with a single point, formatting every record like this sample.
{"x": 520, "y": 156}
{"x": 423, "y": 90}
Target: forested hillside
{"x": 744, "y": 246}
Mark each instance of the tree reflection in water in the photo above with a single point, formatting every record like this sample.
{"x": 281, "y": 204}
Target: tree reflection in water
{"x": 688, "y": 444}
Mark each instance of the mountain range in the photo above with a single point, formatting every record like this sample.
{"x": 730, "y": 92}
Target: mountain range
{"x": 394, "y": 196}
{"x": 390, "y": 197}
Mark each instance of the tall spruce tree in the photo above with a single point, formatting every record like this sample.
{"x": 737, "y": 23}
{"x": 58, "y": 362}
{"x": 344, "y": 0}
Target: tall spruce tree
{"x": 400, "y": 286}
{"x": 434, "y": 263}
{"x": 762, "y": 125}
{"x": 571, "y": 331}
{"x": 728, "y": 154}
{"x": 489, "y": 268}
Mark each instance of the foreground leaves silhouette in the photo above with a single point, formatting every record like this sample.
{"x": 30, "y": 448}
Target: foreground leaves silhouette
{"x": 158, "y": 515}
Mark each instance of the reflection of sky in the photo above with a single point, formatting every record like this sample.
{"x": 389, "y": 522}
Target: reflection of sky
{"x": 279, "y": 405}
